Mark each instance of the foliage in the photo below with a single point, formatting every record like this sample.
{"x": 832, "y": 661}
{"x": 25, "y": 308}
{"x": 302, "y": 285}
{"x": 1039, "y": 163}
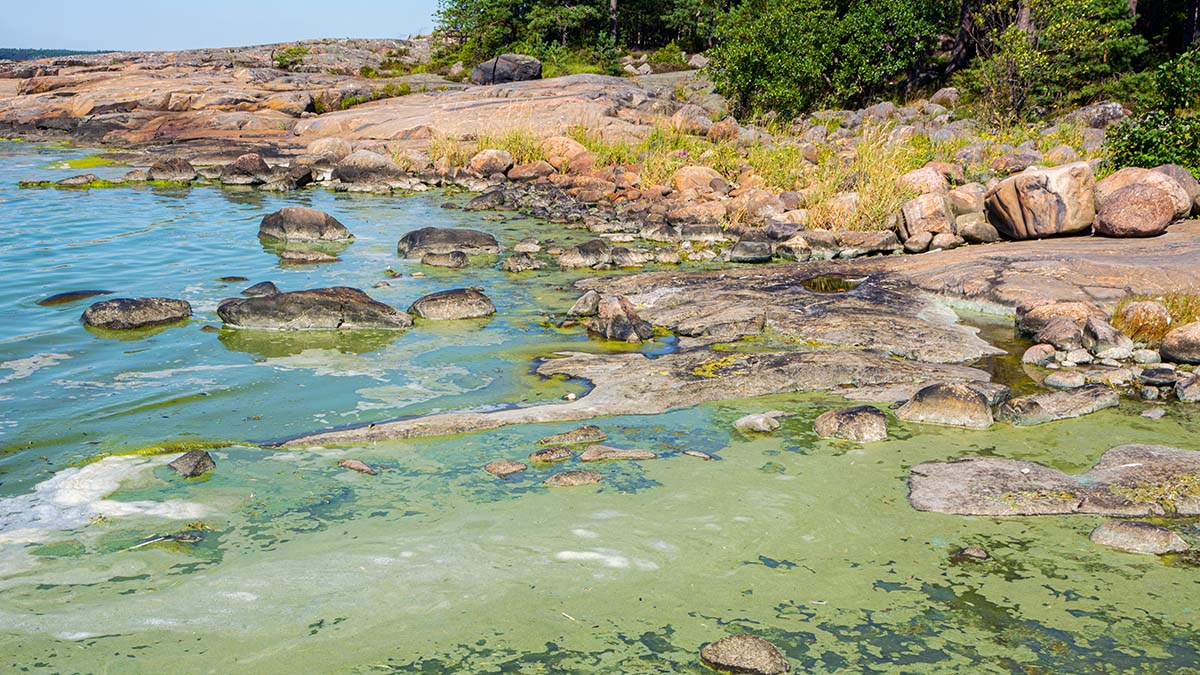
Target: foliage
{"x": 1178, "y": 80}
{"x": 389, "y": 90}
{"x": 1157, "y": 137}
{"x": 11, "y": 54}
{"x": 669, "y": 55}
{"x": 289, "y": 57}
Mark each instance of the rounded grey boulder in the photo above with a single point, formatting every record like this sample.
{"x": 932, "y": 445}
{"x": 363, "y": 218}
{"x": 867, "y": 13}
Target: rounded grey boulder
{"x": 174, "y": 169}
{"x": 862, "y": 424}
{"x": 955, "y": 405}
{"x": 460, "y": 303}
{"x": 130, "y": 313}
{"x": 338, "y": 308}
{"x": 1182, "y": 345}
{"x": 1136, "y": 536}
{"x": 299, "y": 223}
{"x": 445, "y": 240}
{"x": 507, "y": 68}
{"x": 745, "y": 654}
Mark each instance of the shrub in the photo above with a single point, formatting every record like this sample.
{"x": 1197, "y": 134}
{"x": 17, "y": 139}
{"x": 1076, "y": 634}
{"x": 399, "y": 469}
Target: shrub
{"x": 289, "y": 57}
{"x": 669, "y": 55}
{"x": 1157, "y": 137}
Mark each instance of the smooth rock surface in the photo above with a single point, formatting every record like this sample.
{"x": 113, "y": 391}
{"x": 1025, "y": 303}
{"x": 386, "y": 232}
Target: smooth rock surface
{"x": 951, "y": 404}
{"x": 337, "y": 308}
{"x": 1058, "y": 405}
{"x": 459, "y": 303}
{"x": 132, "y": 313}
{"x": 299, "y": 223}
{"x": 445, "y": 240}
{"x": 745, "y": 654}
{"x": 862, "y": 424}
{"x": 1135, "y": 536}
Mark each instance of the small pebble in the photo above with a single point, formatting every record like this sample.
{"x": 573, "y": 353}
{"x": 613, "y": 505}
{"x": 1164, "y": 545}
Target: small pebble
{"x": 1154, "y": 413}
{"x": 699, "y": 455}
{"x": 570, "y": 396}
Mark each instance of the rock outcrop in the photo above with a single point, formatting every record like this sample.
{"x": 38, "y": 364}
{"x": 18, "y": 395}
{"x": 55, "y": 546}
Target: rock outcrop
{"x": 507, "y": 68}
{"x": 1044, "y": 202}
{"x": 299, "y": 223}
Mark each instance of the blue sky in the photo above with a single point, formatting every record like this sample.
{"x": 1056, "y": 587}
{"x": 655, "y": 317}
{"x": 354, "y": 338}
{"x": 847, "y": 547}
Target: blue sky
{"x": 163, "y": 24}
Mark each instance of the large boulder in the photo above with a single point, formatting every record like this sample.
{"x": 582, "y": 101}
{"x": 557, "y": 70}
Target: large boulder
{"x": 337, "y": 308}
{"x": 587, "y": 254}
{"x": 1035, "y": 409}
{"x": 929, "y": 212}
{"x": 567, "y": 154}
{"x": 491, "y": 161}
{"x": 172, "y": 169}
{"x": 193, "y": 463}
{"x": 1044, "y": 202}
{"x": 364, "y": 166}
{"x": 953, "y": 404}
{"x": 131, "y": 313}
{"x": 691, "y": 119}
{"x": 616, "y": 320}
{"x": 863, "y": 424}
{"x": 1185, "y": 179}
{"x": 1182, "y": 345}
{"x": 698, "y": 179}
{"x": 1032, "y": 320}
{"x": 460, "y": 303}
{"x": 300, "y": 223}
{"x": 444, "y": 240}
{"x": 1136, "y": 536}
{"x": 248, "y": 169}
{"x": 1180, "y": 200}
{"x": 331, "y": 148}
{"x": 507, "y": 68}
{"x": 745, "y": 654}
{"x": 1136, "y": 210}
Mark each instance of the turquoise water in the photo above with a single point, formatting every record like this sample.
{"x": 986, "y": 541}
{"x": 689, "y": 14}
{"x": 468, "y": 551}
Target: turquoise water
{"x": 290, "y": 564}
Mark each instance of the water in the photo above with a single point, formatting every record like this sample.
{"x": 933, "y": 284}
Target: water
{"x": 290, "y": 564}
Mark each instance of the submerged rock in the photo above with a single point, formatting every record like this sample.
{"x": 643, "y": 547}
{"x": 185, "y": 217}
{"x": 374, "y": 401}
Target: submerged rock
{"x": 1136, "y": 536}
{"x": 603, "y": 453}
{"x": 1057, "y": 405}
{"x": 971, "y": 553}
{"x": 193, "y": 463}
{"x": 521, "y": 262}
{"x": 444, "y": 240}
{"x": 554, "y": 453}
{"x": 573, "y": 479}
{"x": 131, "y": 313}
{"x": 863, "y": 424}
{"x": 759, "y": 422}
{"x": 305, "y": 257}
{"x": 745, "y": 654}
{"x": 504, "y": 467}
{"x": 459, "y": 303}
{"x": 355, "y": 465}
{"x": 956, "y": 405}
{"x": 588, "y": 433}
{"x": 453, "y": 260}
{"x": 261, "y": 289}
{"x": 337, "y": 308}
{"x": 299, "y": 223}
{"x": 69, "y": 296}
{"x": 616, "y": 320}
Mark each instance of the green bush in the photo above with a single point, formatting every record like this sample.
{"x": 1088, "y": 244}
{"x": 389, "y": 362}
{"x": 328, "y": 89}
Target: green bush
{"x": 669, "y": 55}
{"x": 1158, "y": 137}
{"x": 289, "y": 57}
{"x": 1178, "y": 80}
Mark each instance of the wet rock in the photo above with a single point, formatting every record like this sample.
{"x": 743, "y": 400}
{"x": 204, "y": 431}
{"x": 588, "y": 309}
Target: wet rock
{"x": 193, "y": 463}
{"x": 587, "y": 305}
{"x": 1059, "y": 405}
{"x": 491, "y": 161}
{"x": 863, "y": 424}
{"x": 1136, "y": 536}
{"x": 588, "y": 433}
{"x": 299, "y": 223}
{"x": 507, "y": 68}
{"x": 445, "y": 240}
{"x": 952, "y": 404}
{"x": 1187, "y": 388}
{"x": 261, "y": 289}
{"x": 131, "y": 313}
{"x": 1063, "y": 379}
{"x": 1134, "y": 211}
{"x": 1130, "y": 480}
{"x": 521, "y": 262}
{"x": 759, "y": 422}
{"x": 1182, "y": 345}
{"x": 750, "y": 252}
{"x": 1044, "y": 202}
{"x": 630, "y": 257}
{"x": 364, "y": 166}
{"x": 698, "y": 454}
{"x": 797, "y": 248}
{"x": 337, "y": 308}
{"x": 306, "y": 257}
{"x": 745, "y": 654}
{"x": 173, "y": 169}
{"x": 459, "y": 303}
{"x": 356, "y": 465}
{"x": 248, "y": 169}
{"x": 78, "y": 181}
{"x": 587, "y": 254}
{"x": 554, "y": 453}
{"x": 70, "y": 296}
{"x": 573, "y": 479}
{"x": 971, "y": 554}
{"x": 453, "y": 260}
{"x": 616, "y": 320}
{"x": 504, "y": 468}
{"x": 604, "y": 453}
{"x": 1038, "y": 355}
{"x": 1031, "y": 320}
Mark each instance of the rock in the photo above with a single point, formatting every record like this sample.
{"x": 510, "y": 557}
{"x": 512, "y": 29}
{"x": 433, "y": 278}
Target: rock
{"x": 521, "y": 262}
{"x": 1136, "y": 536}
{"x": 1159, "y": 377}
{"x": 305, "y": 257}
{"x": 491, "y": 161}
{"x": 727, "y": 129}
{"x": 1100, "y": 337}
{"x": 1146, "y": 356}
{"x": 507, "y": 68}
{"x": 698, "y": 61}
{"x": 1064, "y": 380}
{"x": 573, "y": 479}
{"x": 1130, "y": 480}
{"x": 1038, "y": 355}
{"x": 446, "y": 240}
{"x": 951, "y": 404}
{"x": 1064, "y": 333}
{"x": 567, "y": 154}
{"x": 1187, "y": 388}
{"x": 337, "y": 308}
{"x": 587, "y": 305}
{"x": 1180, "y": 203}
{"x": 331, "y": 148}
{"x": 1059, "y": 405}
{"x": 248, "y": 169}
{"x": 1043, "y": 202}
{"x": 700, "y": 180}
{"x": 364, "y": 166}
{"x": 1061, "y": 154}
{"x": 488, "y": 201}
{"x": 260, "y": 289}
{"x": 1134, "y": 211}
{"x": 588, "y": 433}
{"x": 554, "y": 453}
{"x": 926, "y": 213}
{"x": 299, "y": 223}
{"x": 459, "y": 303}
{"x": 70, "y": 296}
{"x": 918, "y": 243}
{"x": 1016, "y": 161}
{"x": 77, "y": 181}
{"x": 971, "y": 554}
{"x": 616, "y": 320}
{"x": 745, "y": 654}
{"x": 946, "y": 96}
{"x": 855, "y": 244}
{"x": 1182, "y": 345}
{"x": 750, "y": 252}
{"x": 943, "y": 241}
{"x": 603, "y": 453}
{"x": 1097, "y": 115}
{"x": 923, "y": 181}
{"x": 528, "y": 245}
{"x": 454, "y": 260}
{"x": 173, "y": 169}
{"x": 692, "y": 119}
{"x": 1155, "y": 413}
{"x": 587, "y": 254}
{"x": 1032, "y": 319}
{"x": 863, "y": 424}
{"x": 966, "y": 199}
{"x": 131, "y": 313}
{"x": 1186, "y": 180}
{"x": 504, "y": 468}
{"x": 759, "y": 422}
{"x": 193, "y": 463}
{"x": 977, "y": 231}
{"x": 355, "y": 465}
{"x": 532, "y": 171}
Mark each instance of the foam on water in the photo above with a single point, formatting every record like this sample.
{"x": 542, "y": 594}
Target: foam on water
{"x": 22, "y": 368}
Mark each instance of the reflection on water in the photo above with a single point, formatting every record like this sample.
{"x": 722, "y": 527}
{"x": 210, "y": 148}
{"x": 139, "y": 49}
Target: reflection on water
{"x": 275, "y": 344}
{"x": 831, "y": 284}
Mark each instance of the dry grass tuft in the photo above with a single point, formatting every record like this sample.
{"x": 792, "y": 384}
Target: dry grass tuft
{"x": 1145, "y": 326}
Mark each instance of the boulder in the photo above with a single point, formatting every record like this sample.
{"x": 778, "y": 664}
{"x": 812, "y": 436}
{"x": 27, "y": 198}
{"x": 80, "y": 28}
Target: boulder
{"x": 586, "y": 305}
{"x": 616, "y": 320}
{"x": 357, "y": 465}
{"x": 507, "y": 68}
{"x": 364, "y": 166}
{"x": 751, "y": 252}
{"x": 337, "y": 308}
{"x": 1097, "y": 115}
{"x": 1187, "y": 388}
{"x": 1136, "y": 210}
{"x": 567, "y": 154}
{"x": 521, "y": 262}
{"x": 699, "y": 180}
{"x": 1032, "y": 319}
{"x": 1038, "y": 355}
{"x": 1135, "y": 536}
{"x": 692, "y": 119}
{"x": 603, "y": 453}
{"x": 453, "y": 260}
{"x": 588, "y": 433}
{"x": 762, "y": 423}
{"x": 966, "y": 199}
{"x": 459, "y": 303}
{"x": 1064, "y": 379}
{"x": 173, "y": 169}
{"x": 745, "y": 654}
{"x": 299, "y": 223}
{"x": 305, "y": 257}
{"x": 532, "y": 171}
{"x": 504, "y": 468}
{"x": 950, "y": 404}
{"x": 862, "y": 424}
{"x": 573, "y": 479}
{"x": 260, "y": 289}
{"x": 1180, "y": 200}
{"x": 1186, "y": 180}
{"x": 587, "y": 254}
{"x": 976, "y": 230}
{"x": 417, "y": 243}
{"x": 331, "y": 148}
{"x": 1099, "y": 337}
{"x": 554, "y": 453}
{"x": 193, "y": 463}
{"x": 1064, "y": 333}
{"x": 491, "y": 161}
{"x": 1035, "y": 409}
{"x": 926, "y": 213}
{"x": 1043, "y": 202}
{"x": 1182, "y": 345}
{"x": 727, "y": 129}
{"x": 131, "y": 313}
{"x": 248, "y": 169}
{"x": 923, "y": 181}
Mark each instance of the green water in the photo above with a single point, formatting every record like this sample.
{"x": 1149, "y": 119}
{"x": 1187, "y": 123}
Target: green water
{"x": 292, "y": 565}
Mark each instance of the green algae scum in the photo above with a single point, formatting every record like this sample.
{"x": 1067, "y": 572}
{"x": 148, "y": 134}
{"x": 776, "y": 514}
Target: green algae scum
{"x": 280, "y": 561}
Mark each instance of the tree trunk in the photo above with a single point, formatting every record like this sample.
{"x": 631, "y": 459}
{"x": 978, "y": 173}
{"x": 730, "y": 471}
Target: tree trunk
{"x": 1192, "y": 34}
{"x": 612, "y": 20}
{"x": 965, "y": 40}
